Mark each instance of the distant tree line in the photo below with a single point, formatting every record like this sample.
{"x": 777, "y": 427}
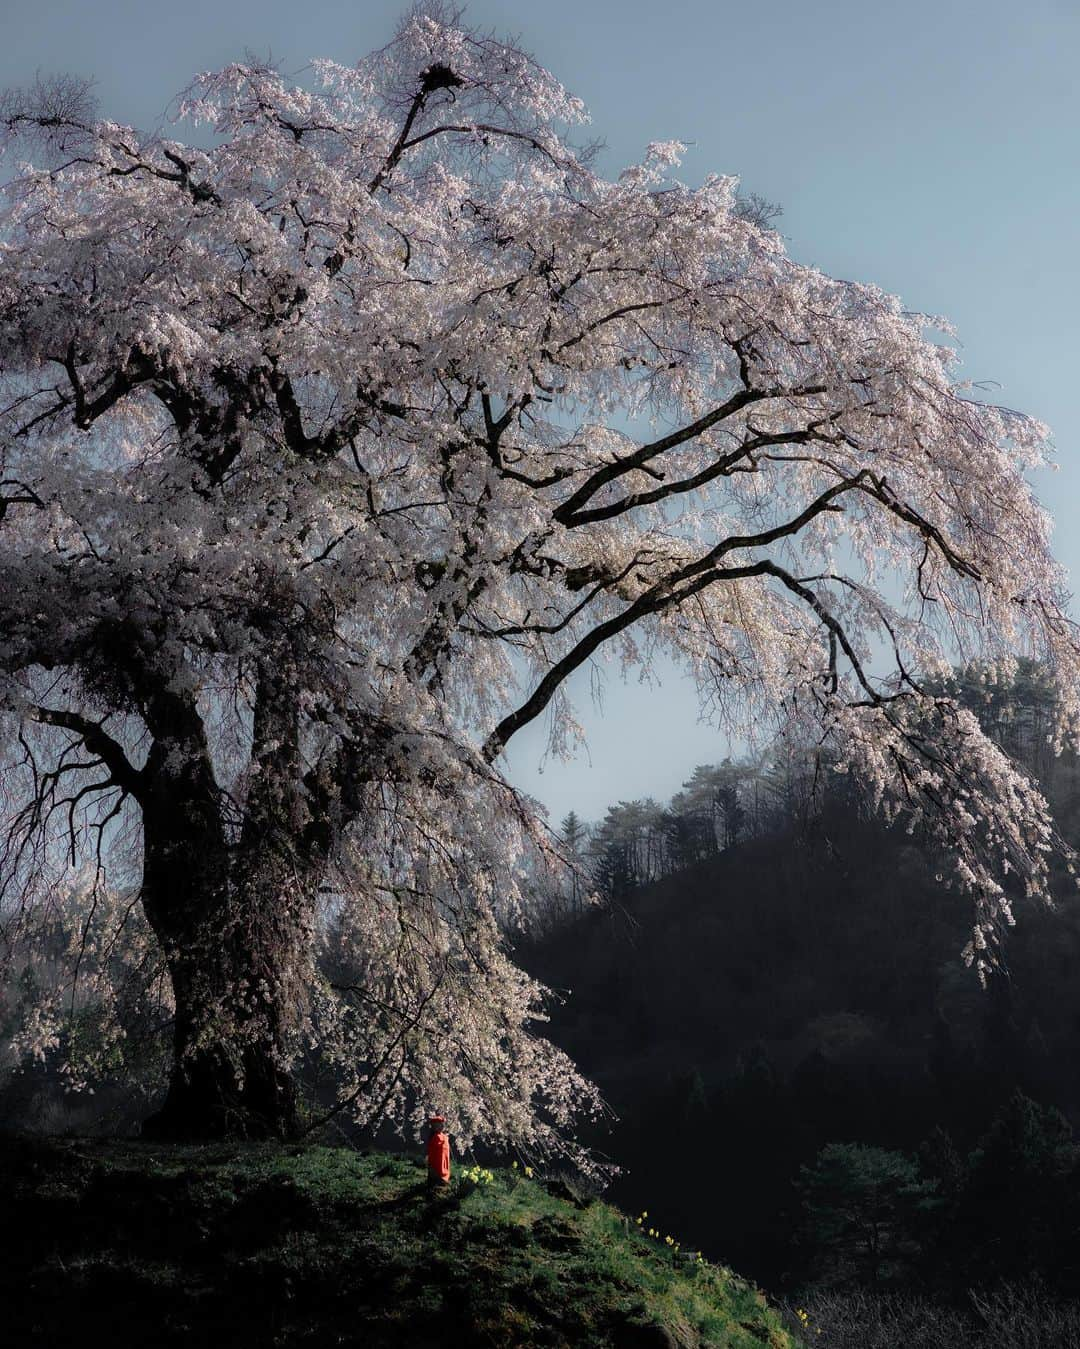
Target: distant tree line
{"x": 719, "y": 806}
{"x": 639, "y": 842}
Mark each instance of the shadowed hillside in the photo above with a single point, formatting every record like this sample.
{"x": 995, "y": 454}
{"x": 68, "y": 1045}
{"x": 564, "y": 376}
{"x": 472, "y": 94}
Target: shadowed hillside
{"x": 793, "y": 990}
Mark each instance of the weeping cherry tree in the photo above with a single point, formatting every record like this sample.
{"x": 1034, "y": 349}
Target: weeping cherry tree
{"x": 334, "y": 440}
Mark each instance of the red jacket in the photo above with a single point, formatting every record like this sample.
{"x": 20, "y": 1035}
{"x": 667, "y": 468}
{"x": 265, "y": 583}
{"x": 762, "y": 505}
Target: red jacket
{"x": 438, "y": 1155}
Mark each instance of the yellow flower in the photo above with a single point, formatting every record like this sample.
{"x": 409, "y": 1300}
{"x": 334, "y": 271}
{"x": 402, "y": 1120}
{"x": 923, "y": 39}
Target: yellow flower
{"x": 529, "y": 1171}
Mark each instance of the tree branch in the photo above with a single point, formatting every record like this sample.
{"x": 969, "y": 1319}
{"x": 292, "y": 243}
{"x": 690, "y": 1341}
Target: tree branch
{"x": 99, "y": 742}
{"x": 671, "y": 590}
{"x": 570, "y": 511}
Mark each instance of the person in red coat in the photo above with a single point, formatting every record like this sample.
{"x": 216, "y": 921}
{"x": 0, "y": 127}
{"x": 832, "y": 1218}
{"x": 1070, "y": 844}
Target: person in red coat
{"x": 438, "y": 1152}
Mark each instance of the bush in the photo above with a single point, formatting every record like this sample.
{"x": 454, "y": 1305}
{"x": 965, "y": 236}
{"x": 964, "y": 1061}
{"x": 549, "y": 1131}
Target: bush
{"x": 1011, "y": 1316}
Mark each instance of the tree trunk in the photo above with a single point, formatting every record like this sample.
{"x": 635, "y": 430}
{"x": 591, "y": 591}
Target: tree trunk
{"x": 229, "y": 1077}
{"x": 232, "y": 924}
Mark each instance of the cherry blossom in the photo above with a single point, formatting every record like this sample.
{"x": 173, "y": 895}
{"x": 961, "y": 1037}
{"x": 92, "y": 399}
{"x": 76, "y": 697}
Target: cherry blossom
{"x": 336, "y": 437}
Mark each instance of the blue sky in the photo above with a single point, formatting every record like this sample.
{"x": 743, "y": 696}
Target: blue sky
{"x": 930, "y": 148}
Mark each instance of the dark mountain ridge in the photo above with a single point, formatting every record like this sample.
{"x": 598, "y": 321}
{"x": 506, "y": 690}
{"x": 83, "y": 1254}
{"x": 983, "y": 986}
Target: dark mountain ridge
{"x": 793, "y": 990}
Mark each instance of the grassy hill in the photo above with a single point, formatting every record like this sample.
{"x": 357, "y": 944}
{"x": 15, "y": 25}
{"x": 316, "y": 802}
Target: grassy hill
{"x": 134, "y": 1244}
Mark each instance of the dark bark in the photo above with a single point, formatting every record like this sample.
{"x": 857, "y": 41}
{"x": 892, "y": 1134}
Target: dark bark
{"x": 220, "y": 1091}
{"x": 230, "y": 923}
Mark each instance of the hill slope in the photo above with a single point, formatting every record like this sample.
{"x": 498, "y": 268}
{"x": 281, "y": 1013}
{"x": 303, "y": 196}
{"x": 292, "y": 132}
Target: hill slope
{"x": 133, "y": 1244}
{"x": 796, "y": 990}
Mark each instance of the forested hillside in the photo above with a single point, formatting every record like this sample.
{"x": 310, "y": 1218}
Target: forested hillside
{"x": 804, "y": 986}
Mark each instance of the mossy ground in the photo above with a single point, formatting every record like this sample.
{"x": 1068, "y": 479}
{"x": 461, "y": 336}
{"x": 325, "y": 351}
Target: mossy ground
{"x": 153, "y": 1245}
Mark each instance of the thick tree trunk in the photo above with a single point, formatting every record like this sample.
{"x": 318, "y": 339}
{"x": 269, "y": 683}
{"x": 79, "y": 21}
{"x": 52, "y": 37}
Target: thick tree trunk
{"x": 228, "y": 1076}
{"x": 209, "y": 1096}
{"x": 232, "y": 924}
{"x": 228, "y": 1079}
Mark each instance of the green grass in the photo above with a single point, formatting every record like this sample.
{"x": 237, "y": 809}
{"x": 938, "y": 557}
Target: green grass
{"x": 266, "y": 1245}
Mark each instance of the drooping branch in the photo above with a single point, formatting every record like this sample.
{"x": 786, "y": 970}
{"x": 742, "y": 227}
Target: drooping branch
{"x": 690, "y": 579}
{"x": 482, "y": 129}
{"x": 87, "y": 411}
{"x": 572, "y": 511}
{"x": 654, "y": 601}
{"x": 23, "y": 495}
{"x": 98, "y": 741}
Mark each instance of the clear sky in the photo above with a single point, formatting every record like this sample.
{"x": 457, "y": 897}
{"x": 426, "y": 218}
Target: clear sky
{"x": 932, "y": 148}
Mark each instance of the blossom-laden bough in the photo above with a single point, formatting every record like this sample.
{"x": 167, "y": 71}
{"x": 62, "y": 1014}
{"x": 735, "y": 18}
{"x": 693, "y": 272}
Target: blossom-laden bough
{"x": 332, "y": 446}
